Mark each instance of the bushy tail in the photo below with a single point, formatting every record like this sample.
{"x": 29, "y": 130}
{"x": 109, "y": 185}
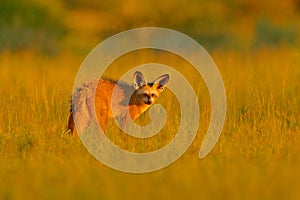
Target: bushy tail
{"x": 81, "y": 107}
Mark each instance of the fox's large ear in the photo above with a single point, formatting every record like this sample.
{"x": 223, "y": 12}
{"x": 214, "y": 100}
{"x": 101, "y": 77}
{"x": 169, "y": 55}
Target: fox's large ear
{"x": 139, "y": 80}
{"x": 161, "y": 81}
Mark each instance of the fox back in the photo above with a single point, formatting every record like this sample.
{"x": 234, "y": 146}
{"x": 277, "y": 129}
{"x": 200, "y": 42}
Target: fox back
{"x": 113, "y": 99}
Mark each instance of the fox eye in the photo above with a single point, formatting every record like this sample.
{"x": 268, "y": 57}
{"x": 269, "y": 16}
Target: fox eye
{"x": 152, "y": 95}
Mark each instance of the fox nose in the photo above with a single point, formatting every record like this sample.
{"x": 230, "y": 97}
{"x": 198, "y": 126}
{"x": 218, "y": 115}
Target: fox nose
{"x": 149, "y": 102}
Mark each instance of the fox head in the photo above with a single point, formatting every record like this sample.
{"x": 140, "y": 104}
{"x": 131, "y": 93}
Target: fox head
{"x": 147, "y": 93}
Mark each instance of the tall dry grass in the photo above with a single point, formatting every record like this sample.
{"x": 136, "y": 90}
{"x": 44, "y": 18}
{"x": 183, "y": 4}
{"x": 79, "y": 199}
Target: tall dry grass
{"x": 257, "y": 155}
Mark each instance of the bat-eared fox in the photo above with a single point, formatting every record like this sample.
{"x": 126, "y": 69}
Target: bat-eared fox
{"x": 135, "y": 98}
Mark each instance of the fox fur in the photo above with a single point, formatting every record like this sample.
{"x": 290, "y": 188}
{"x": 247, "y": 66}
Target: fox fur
{"x": 135, "y": 98}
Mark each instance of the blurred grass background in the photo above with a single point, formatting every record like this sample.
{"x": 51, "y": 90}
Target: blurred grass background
{"x": 51, "y": 26}
{"x": 256, "y": 47}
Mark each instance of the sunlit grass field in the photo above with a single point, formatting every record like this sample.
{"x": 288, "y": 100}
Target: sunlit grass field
{"x": 256, "y": 157}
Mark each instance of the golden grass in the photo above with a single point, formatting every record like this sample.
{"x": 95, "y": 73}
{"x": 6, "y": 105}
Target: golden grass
{"x": 257, "y": 155}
